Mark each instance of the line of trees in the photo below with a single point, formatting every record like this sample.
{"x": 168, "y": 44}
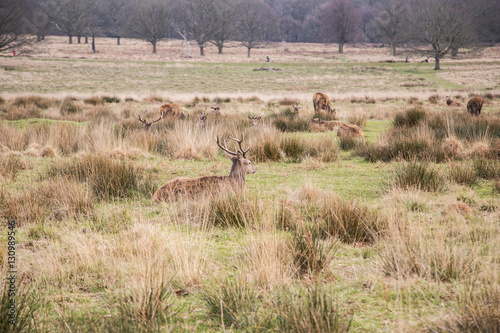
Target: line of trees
{"x": 433, "y": 27}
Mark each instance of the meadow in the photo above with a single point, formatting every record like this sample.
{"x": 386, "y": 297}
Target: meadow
{"x": 397, "y": 231}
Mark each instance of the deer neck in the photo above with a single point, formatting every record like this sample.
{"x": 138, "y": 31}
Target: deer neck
{"x": 237, "y": 173}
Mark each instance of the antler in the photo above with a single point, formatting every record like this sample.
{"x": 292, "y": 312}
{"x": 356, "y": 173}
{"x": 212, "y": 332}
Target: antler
{"x": 161, "y": 116}
{"x": 140, "y": 119}
{"x": 243, "y": 152}
{"x": 225, "y": 147}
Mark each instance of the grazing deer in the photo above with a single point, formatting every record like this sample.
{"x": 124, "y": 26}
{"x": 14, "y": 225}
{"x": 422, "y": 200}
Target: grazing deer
{"x": 474, "y": 106}
{"x": 322, "y": 102}
{"x": 147, "y": 126}
{"x": 254, "y": 120}
{"x": 451, "y": 103}
{"x": 172, "y": 109}
{"x": 190, "y": 187}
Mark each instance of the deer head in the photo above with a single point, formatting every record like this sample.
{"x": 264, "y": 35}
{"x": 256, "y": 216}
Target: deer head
{"x": 241, "y": 165}
{"x": 296, "y": 109}
{"x": 216, "y": 110}
{"x": 254, "y": 120}
{"x": 147, "y": 126}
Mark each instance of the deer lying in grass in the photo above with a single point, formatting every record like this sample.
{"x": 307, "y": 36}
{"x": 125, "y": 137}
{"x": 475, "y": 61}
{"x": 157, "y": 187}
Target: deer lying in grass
{"x": 342, "y": 128}
{"x": 296, "y": 109}
{"x": 322, "y": 102}
{"x": 254, "y": 120}
{"x": 451, "y": 103}
{"x": 147, "y": 126}
{"x": 173, "y": 110}
{"x": 191, "y": 187}
{"x": 474, "y": 106}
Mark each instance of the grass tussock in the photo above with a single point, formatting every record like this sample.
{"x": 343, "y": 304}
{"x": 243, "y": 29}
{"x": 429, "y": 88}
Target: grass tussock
{"x": 418, "y": 175}
{"x": 311, "y": 310}
{"x": 111, "y": 99}
{"x": 94, "y": 100}
{"x": 234, "y": 301}
{"x": 463, "y": 174}
{"x": 57, "y": 199}
{"x": 10, "y": 166}
{"x": 357, "y": 118}
{"x": 232, "y": 210}
{"x": 69, "y": 106}
{"x": 333, "y": 216}
{"x": 487, "y": 169}
{"x": 11, "y": 112}
{"x": 288, "y": 101}
{"x": 293, "y": 148}
{"x": 146, "y": 306}
{"x": 347, "y": 143}
{"x": 34, "y": 101}
{"x": 20, "y": 303}
{"x": 410, "y": 117}
{"x": 408, "y": 250}
{"x": 106, "y": 178}
{"x": 289, "y": 124}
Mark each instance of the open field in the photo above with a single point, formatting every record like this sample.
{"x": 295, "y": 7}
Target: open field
{"x": 397, "y": 231}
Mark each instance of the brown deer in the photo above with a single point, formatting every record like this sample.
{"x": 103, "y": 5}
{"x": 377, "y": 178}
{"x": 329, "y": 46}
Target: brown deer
{"x": 173, "y": 110}
{"x": 216, "y": 111}
{"x": 147, "y": 126}
{"x": 342, "y": 128}
{"x": 204, "y": 115}
{"x": 254, "y": 120}
{"x": 474, "y": 106}
{"x": 322, "y": 102}
{"x": 296, "y": 109}
{"x": 451, "y": 103}
{"x": 191, "y": 187}
{"x": 329, "y": 124}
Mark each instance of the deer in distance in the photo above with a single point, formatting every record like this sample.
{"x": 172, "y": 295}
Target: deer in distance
{"x": 474, "y": 106}
{"x": 173, "y": 110}
{"x": 322, "y": 102}
{"x": 192, "y": 187}
{"x": 147, "y": 125}
{"x": 254, "y": 120}
{"x": 203, "y": 117}
{"x": 451, "y": 103}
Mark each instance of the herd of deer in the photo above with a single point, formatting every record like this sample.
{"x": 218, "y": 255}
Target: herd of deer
{"x": 191, "y": 187}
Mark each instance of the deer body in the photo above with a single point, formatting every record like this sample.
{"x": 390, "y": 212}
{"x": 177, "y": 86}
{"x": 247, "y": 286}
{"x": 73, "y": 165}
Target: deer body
{"x": 322, "y": 102}
{"x": 451, "y": 103}
{"x": 173, "y": 110}
{"x": 192, "y": 187}
{"x": 474, "y": 106}
{"x": 342, "y": 128}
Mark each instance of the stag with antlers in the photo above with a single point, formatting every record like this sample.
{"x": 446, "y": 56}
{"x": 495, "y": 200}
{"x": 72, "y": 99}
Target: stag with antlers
{"x": 254, "y": 120}
{"x": 147, "y": 126}
{"x": 203, "y": 117}
{"x": 192, "y": 187}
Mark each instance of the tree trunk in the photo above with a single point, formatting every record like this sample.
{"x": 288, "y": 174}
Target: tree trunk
{"x": 117, "y": 40}
{"x": 436, "y": 67}
{"x": 70, "y": 39}
{"x": 341, "y": 47}
{"x": 93, "y": 43}
{"x": 79, "y": 39}
{"x": 202, "y": 53}
{"x": 249, "y": 48}
{"x": 154, "y": 47}
{"x": 394, "y": 49}
{"x": 220, "y": 48}
{"x": 86, "y": 39}
{"x": 454, "y": 51}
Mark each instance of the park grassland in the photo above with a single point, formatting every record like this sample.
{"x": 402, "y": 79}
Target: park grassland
{"x": 398, "y": 231}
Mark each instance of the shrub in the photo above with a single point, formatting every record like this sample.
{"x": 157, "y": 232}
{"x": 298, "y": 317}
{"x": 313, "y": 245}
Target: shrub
{"x": 487, "y": 169}
{"x": 313, "y": 310}
{"x": 33, "y": 101}
{"x": 220, "y": 100}
{"x": 463, "y": 174}
{"x": 111, "y": 99}
{"x": 416, "y": 174}
{"x": 266, "y": 149}
{"x": 21, "y": 112}
{"x": 294, "y": 149}
{"x": 233, "y": 300}
{"x": 68, "y": 106}
{"x": 348, "y": 142}
{"x": 410, "y": 117}
{"x": 94, "y": 100}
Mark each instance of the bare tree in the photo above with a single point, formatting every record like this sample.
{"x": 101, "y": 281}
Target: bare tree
{"x": 442, "y": 24}
{"x": 341, "y": 22}
{"x": 392, "y": 22}
{"x": 13, "y": 30}
{"x": 199, "y": 17}
{"x": 116, "y": 13}
{"x": 152, "y": 21}
{"x": 255, "y": 24}
{"x": 224, "y": 23}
